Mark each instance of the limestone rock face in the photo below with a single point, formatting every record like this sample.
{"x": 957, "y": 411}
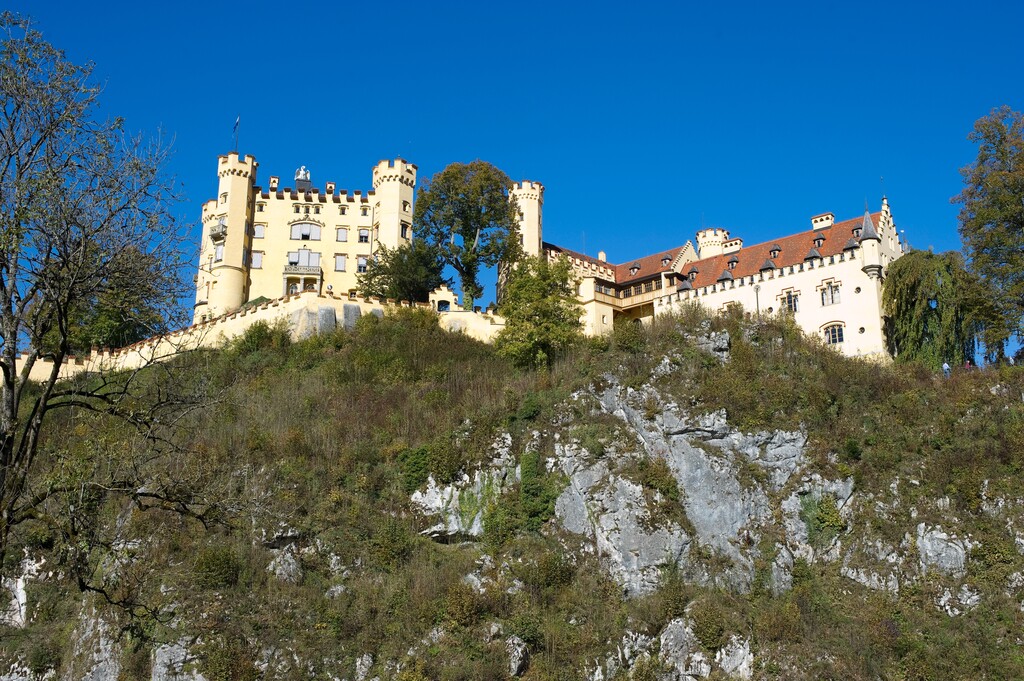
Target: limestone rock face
{"x": 681, "y": 651}
{"x": 518, "y": 655}
{"x": 97, "y": 657}
{"x": 735, "y": 658}
{"x": 941, "y": 551}
{"x": 460, "y": 505}
{"x": 169, "y": 662}
{"x": 612, "y": 511}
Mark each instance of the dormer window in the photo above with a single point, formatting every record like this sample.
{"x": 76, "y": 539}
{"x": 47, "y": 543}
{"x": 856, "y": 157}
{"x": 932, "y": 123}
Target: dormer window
{"x": 733, "y": 261}
{"x": 856, "y": 232}
{"x": 775, "y": 253}
{"x": 819, "y": 241}
{"x": 665, "y": 261}
{"x": 634, "y": 268}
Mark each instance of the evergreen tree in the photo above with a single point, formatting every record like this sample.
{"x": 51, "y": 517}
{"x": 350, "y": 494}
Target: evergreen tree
{"x": 936, "y": 310}
{"x": 409, "y": 272}
{"x": 992, "y": 219}
{"x": 542, "y": 314}
{"x": 465, "y": 212}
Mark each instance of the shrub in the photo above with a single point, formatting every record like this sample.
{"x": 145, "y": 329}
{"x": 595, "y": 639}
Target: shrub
{"x": 629, "y": 336}
{"x": 227, "y": 660}
{"x": 415, "y": 466}
{"x": 259, "y": 336}
{"x": 822, "y": 518}
{"x": 538, "y": 491}
{"x": 392, "y": 545}
{"x": 216, "y": 567}
{"x": 708, "y": 623}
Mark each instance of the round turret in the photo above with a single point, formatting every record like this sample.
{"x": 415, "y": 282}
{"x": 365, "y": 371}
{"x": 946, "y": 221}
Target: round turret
{"x": 529, "y": 198}
{"x": 711, "y": 241}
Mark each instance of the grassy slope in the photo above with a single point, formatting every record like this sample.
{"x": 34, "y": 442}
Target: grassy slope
{"x": 325, "y": 439}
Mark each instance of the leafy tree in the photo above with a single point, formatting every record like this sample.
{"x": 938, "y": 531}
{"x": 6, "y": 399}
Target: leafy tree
{"x": 541, "y": 311}
{"x": 89, "y": 251}
{"x": 466, "y": 213}
{"x": 935, "y": 309}
{"x": 408, "y": 272}
{"x": 992, "y": 218}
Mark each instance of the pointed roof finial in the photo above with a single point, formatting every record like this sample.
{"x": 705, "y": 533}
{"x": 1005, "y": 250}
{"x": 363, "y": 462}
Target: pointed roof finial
{"x": 867, "y": 230}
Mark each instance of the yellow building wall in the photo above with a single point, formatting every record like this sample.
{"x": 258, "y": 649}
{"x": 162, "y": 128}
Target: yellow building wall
{"x": 260, "y": 226}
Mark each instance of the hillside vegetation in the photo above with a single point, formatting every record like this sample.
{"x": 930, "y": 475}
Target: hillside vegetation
{"x": 286, "y": 544}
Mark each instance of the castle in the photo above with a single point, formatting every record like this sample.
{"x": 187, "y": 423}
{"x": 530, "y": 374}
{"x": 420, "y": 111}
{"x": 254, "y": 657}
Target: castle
{"x": 276, "y": 242}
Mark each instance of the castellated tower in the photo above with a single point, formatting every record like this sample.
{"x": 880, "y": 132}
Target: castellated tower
{"x": 530, "y": 198}
{"x": 393, "y": 183}
{"x": 224, "y": 251}
{"x": 711, "y": 241}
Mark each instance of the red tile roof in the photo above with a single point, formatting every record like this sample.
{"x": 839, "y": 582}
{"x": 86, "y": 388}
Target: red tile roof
{"x": 794, "y": 249}
{"x": 579, "y": 256}
{"x": 649, "y": 265}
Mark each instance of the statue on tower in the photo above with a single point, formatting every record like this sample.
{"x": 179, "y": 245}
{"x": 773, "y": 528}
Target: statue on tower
{"x": 302, "y": 179}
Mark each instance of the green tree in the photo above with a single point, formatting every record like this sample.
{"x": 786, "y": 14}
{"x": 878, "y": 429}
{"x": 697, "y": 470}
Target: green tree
{"x": 992, "y": 219}
{"x": 935, "y": 309}
{"x": 466, "y": 213}
{"x": 542, "y": 314}
{"x": 408, "y": 272}
{"x": 86, "y": 237}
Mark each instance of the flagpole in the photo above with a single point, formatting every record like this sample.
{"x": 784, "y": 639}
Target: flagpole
{"x": 237, "y": 121}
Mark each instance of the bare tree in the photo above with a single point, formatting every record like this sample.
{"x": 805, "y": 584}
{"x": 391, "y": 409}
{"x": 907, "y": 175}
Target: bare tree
{"x": 85, "y": 220}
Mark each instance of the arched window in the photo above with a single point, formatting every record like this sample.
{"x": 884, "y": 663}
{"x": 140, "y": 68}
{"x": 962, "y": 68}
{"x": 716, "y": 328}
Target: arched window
{"x": 443, "y": 306}
{"x": 833, "y": 334}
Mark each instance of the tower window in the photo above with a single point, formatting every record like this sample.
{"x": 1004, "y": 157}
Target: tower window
{"x": 258, "y": 230}
{"x": 364, "y": 236}
{"x": 830, "y": 294}
{"x": 316, "y": 210}
{"x": 342, "y": 210}
{"x": 834, "y": 334}
{"x": 260, "y": 207}
{"x": 295, "y": 208}
{"x": 218, "y": 253}
{"x": 405, "y": 231}
{"x": 224, "y": 197}
{"x": 305, "y": 209}
{"x": 364, "y": 211}
{"x": 406, "y": 206}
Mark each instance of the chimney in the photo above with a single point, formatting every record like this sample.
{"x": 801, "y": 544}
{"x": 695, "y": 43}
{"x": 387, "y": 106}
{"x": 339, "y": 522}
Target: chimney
{"x": 822, "y": 221}
{"x": 602, "y": 256}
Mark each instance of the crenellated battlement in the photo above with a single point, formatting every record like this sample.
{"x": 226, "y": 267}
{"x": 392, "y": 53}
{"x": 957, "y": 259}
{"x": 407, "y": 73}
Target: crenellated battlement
{"x": 711, "y": 241}
{"x": 529, "y": 190}
{"x": 397, "y": 170}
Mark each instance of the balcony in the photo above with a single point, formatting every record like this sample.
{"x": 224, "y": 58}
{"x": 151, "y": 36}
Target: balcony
{"x": 218, "y": 231}
{"x": 302, "y": 270}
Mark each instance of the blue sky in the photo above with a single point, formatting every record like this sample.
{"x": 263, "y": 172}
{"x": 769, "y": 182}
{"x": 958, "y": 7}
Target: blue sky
{"x": 643, "y": 121}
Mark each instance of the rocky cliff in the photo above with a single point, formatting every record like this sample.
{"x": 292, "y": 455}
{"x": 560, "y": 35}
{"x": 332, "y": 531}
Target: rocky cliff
{"x": 721, "y": 500}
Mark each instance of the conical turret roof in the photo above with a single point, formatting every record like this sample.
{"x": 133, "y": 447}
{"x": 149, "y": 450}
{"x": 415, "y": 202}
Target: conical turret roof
{"x": 867, "y": 229}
